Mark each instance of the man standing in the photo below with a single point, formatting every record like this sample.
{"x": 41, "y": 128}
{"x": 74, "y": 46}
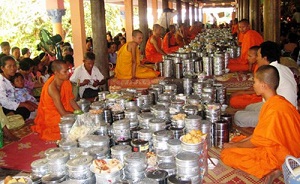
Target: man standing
{"x": 88, "y": 76}
{"x": 250, "y": 38}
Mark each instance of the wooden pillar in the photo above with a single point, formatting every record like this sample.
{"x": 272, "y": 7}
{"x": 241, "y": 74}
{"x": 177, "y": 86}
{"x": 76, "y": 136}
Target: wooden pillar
{"x": 99, "y": 36}
{"x": 179, "y": 10}
{"x": 78, "y": 36}
{"x": 254, "y": 14}
{"x": 240, "y": 8}
{"x": 128, "y": 18}
{"x": 143, "y": 23}
{"x": 187, "y": 16}
{"x": 272, "y": 20}
{"x": 170, "y": 4}
{"x": 246, "y": 9}
{"x": 154, "y": 11}
{"x": 55, "y": 10}
{"x": 165, "y": 4}
{"x": 193, "y": 18}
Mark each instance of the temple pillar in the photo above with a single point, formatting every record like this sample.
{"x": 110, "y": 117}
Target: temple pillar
{"x": 179, "y": 10}
{"x": 271, "y": 16}
{"x": 193, "y": 18}
{"x": 99, "y": 34}
{"x": 128, "y": 19}
{"x": 187, "y": 10}
{"x": 78, "y": 36}
{"x": 165, "y": 4}
{"x": 245, "y": 11}
{"x": 154, "y": 11}
{"x": 143, "y": 23}
{"x": 55, "y": 10}
{"x": 254, "y": 15}
{"x": 240, "y": 5}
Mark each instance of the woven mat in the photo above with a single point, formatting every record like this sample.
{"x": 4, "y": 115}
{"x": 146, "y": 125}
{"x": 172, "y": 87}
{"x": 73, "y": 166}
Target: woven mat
{"x": 222, "y": 174}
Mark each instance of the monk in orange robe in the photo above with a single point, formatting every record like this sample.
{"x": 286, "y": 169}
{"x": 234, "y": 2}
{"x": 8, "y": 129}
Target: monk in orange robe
{"x": 241, "y": 99}
{"x": 169, "y": 41}
{"x": 195, "y": 29}
{"x": 235, "y": 27}
{"x": 128, "y": 60}
{"x": 276, "y": 135}
{"x": 250, "y": 38}
{"x": 56, "y": 100}
{"x": 153, "y": 50}
{"x": 181, "y": 36}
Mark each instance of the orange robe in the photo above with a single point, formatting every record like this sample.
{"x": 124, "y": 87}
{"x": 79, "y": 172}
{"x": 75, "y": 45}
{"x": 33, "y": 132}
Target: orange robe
{"x": 152, "y": 55}
{"x": 48, "y": 118}
{"x": 250, "y": 38}
{"x": 194, "y": 32}
{"x": 234, "y": 29}
{"x": 123, "y": 68}
{"x": 276, "y": 135}
{"x": 169, "y": 43}
{"x": 179, "y": 39}
{"x": 242, "y": 100}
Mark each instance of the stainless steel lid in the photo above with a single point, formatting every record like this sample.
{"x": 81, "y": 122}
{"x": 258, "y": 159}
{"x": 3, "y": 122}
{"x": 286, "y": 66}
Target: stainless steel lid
{"x": 163, "y": 135}
{"x": 166, "y": 166}
{"x": 121, "y": 124}
{"x": 49, "y": 178}
{"x": 174, "y": 142}
{"x": 158, "y": 175}
{"x": 120, "y": 149}
{"x": 59, "y": 157}
{"x": 39, "y": 164}
{"x": 173, "y": 179}
{"x": 97, "y": 105}
{"x": 53, "y": 150}
{"x": 80, "y": 162}
{"x": 134, "y": 157}
{"x": 97, "y": 151}
{"x": 68, "y": 117}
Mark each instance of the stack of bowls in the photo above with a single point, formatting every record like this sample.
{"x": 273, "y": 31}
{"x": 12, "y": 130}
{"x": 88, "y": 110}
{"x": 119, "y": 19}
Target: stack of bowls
{"x": 219, "y": 65}
{"x": 67, "y": 145}
{"x": 213, "y": 112}
{"x": 57, "y": 163}
{"x": 174, "y": 146}
{"x": 98, "y": 152}
{"x": 79, "y": 169}
{"x": 168, "y": 167}
{"x": 157, "y": 124}
{"x": 192, "y": 122}
{"x": 119, "y": 152}
{"x": 135, "y": 164}
{"x": 160, "y": 139}
{"x": 221, "y": 133}
{"x": 165, "y": 156}
{"x": 65, "y": 127}
{"x": 160, "y": 176}
{"x": 121, "y": 130}
{"x": 144, "y": 119}
{"x": 75, "y": 152}
{"x": 39, "y": 168}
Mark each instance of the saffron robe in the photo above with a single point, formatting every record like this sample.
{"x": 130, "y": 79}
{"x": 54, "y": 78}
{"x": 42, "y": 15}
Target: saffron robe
{"x": 152, "y": 55}
{"x": 48, "y": 117}
{"x": 242, "y": 100}
{"x": 169, "y": 43}
{"x": 250, "y": 38}
{"x": 123, "y": 68}
{"x": 276, "y": 135}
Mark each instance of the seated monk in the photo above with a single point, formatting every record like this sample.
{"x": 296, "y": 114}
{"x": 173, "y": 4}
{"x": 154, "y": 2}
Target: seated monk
{"x": 169, "y": 41}
{"x": 181, "y": 36}
{"x": 195, "y": 29}
{"x": 241, "y": 99}
{"x": 249, "y": 38}
{"x": 153, "y": 50}
{"x": 235, "y": 27}
{"x": 128, "y": 60}
{"x": 56, "y": 100}
{"x": 275, "y": 136}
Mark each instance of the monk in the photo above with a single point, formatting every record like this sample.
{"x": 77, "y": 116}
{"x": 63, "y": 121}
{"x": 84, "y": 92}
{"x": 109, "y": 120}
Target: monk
{"x": 195, "y": 29}
{"x": 128, "y": 60}
{"x": 235, "y": 27}
{"x": 181, "y": 36}
{"x": 169, "y": 41}
{"x": 250, "y": 38}
{"x": 241, "y": 99}
{"x": 153, "y": 48}
{"x": 56, "y": 100}
{"x": 277, "y": 133}
{"x": 269, "y": 54}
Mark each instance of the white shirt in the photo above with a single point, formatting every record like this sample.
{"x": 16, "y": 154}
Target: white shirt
{"x": 7, "y": 94}
{"x": 287, "y": 84}
{"x": 165, "y": 18}
{"x": 81, "y": 74}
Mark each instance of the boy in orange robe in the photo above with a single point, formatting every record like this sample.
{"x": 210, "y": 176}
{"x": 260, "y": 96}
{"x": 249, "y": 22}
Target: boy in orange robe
{"x": 153, "y": 50}
{"x": 241, "y": 99}
{"x": 128, "y": 60}
{"x": 276, "y": 135}
{"x": 56, "y": 100}
{"x": 169, "y": 41}
{"x": 250, "y": 38}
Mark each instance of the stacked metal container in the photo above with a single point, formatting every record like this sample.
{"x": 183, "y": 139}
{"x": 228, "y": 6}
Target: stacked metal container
{"x": 57, "y": 163}
{"x": 135, "y": 164}
{"x": 79, "y": 170}
{"x": 121, "y": 130}
{"x": 208, "y": 66}
{"x": 119, "y": 152}
{"x": 160, "y": 139}
{"x": 168, "y": 70}
{"x": 192, "y": 122}
{"x": 39, "y": 168}
{"x": 221, "y": 133}
{"x": 219, "y": 65}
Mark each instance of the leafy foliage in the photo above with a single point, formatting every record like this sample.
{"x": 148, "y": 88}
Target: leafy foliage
{"x": 21, "y": 21}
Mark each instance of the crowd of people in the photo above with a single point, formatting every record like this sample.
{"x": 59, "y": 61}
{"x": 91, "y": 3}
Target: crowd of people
{"x": 270, "y": 106}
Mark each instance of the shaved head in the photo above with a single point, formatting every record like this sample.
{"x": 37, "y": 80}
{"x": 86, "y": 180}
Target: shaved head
{"x": 156, "y": 26}
{"x": 136, "y": 32}
{"x": 269, "y": 75}
{"x": 57, "y": 65}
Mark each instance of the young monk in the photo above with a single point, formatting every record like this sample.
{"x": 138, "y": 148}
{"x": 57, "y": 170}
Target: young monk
{"x": 128, "y": 60}
{"x": 169, "y": 41}
{"x": 56, "y": 100}
{"x": 241, "y": 99}
{"x": 153, "y": 50}
{"x": 250, "y": 38}
{"x": 276, "y": 135}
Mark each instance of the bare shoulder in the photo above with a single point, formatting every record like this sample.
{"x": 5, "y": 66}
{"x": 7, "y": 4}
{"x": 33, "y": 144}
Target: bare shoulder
{"x": 52, "y": 90}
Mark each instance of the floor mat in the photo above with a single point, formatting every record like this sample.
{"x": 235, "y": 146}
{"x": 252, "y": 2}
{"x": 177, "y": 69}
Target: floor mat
{"x": 222, "y": 174}
{"x": 19, "y": 155}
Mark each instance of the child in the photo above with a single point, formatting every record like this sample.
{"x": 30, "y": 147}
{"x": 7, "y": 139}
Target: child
{"x": 21, "y": 93}
{"x": 252, "y": 58}
{"x": 69, "y": 60}
{"x": 5, "y": 48}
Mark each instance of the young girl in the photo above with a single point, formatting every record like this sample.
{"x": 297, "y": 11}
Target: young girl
{"x": 21, "y": 93}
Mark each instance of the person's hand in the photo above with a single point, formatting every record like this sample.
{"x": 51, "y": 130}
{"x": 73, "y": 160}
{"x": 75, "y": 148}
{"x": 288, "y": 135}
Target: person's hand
{"x": 85, "y": 82}
{"x": 96, "y": 83}
{"x": 229, "y": 145}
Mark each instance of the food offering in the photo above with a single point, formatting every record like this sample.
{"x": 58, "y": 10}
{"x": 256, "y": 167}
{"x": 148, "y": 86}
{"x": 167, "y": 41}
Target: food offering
{"x": 17, "y": 179}
{"x": 193, "y": 137}
{"x": 106, "y": 166}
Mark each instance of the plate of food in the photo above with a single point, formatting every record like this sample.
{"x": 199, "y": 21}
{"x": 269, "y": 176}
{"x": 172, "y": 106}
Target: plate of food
{"x": 17, "y": 180}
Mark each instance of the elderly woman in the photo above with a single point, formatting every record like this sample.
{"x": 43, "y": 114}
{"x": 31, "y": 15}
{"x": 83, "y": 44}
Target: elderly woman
{"x": 7, "y": 98}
